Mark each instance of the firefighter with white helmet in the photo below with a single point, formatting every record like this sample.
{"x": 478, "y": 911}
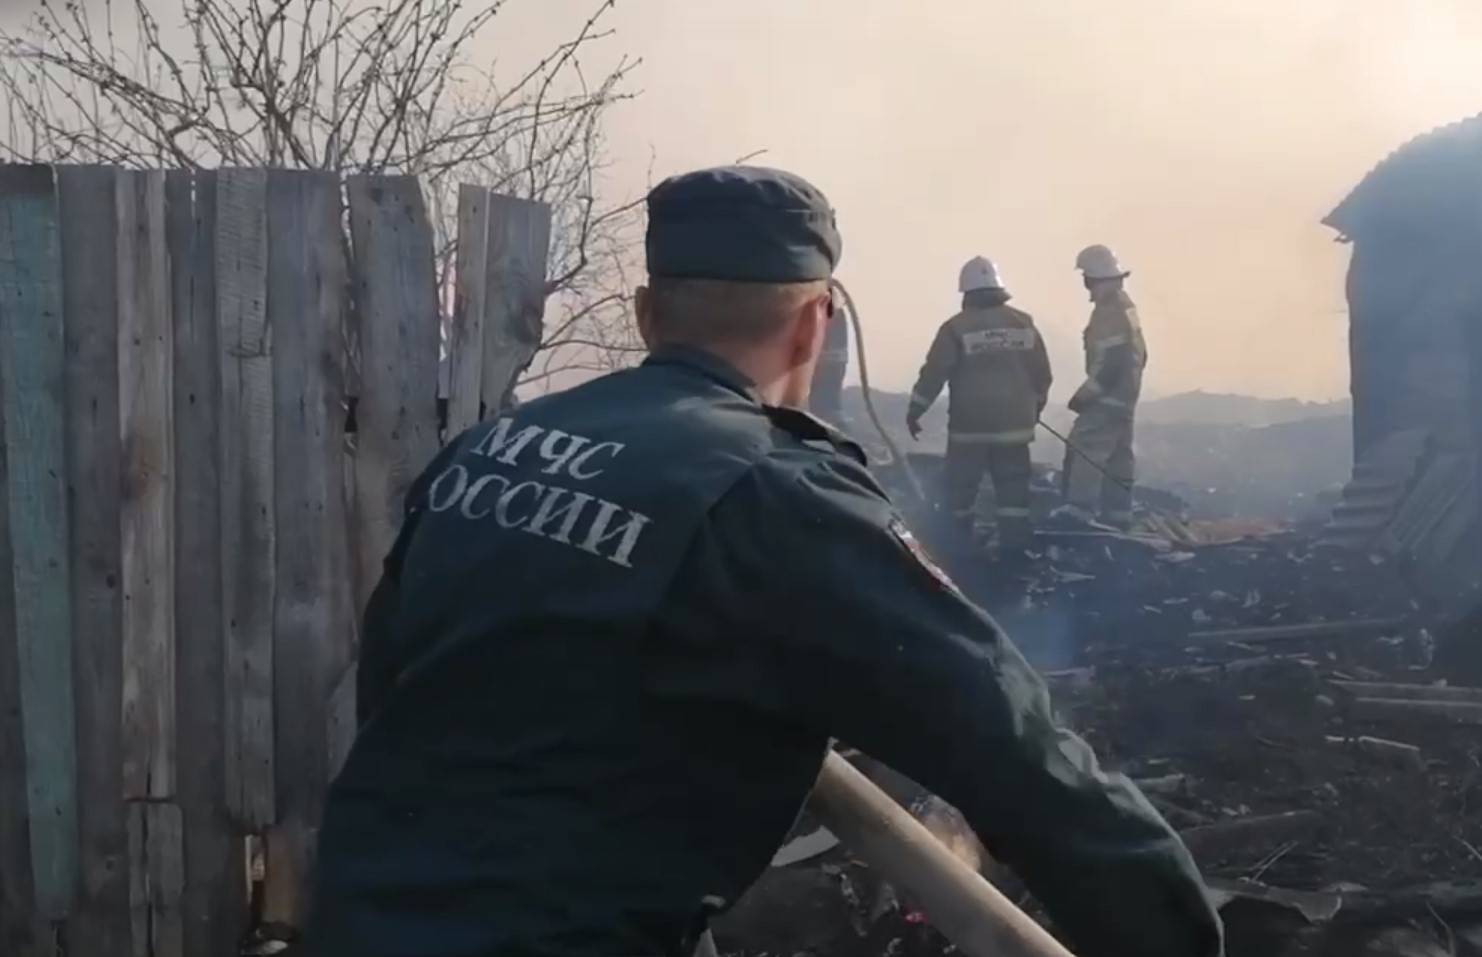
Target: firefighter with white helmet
{"x": 1100, "y": 468}
{"x": 992, "y": 360}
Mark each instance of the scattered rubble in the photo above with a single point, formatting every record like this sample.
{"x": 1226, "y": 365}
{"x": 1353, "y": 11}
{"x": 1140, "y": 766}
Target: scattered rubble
{"x": 1278, "y": 700}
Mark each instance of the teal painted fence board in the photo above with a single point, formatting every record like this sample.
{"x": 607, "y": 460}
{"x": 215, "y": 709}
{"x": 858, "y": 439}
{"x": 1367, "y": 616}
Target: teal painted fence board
{"x": 32, "y": 352}
{"x": 17, "y": 898}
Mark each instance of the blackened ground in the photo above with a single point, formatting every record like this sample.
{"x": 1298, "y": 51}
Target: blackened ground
{"x": 1240, "y": 728}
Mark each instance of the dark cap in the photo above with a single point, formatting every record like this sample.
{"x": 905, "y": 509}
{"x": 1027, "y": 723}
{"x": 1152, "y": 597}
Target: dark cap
{"x": 742, "y": 223}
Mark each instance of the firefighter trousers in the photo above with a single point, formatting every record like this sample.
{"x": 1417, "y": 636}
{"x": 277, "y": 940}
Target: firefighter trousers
{"x": 1102, "y": 434}
{"x": 1008, "y": 467}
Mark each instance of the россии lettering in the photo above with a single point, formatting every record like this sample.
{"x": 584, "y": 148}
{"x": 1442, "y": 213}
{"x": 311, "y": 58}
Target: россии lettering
{"x": 541, "y": 507}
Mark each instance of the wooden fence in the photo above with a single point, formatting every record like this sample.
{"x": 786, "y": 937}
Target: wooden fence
{"x": 187, "y": 529}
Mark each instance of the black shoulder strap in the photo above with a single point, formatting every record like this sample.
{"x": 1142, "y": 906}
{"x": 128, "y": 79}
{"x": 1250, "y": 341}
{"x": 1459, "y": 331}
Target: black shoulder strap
{"x": 811, "y": 429}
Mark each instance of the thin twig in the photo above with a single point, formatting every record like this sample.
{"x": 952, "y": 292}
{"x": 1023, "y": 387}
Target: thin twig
{"x": 355, "y": 88}
{"x": 1271, "y": 860}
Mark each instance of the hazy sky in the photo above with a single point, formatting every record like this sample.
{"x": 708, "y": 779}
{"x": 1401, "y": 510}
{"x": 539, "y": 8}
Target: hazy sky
{"x": 1203, "y": 139}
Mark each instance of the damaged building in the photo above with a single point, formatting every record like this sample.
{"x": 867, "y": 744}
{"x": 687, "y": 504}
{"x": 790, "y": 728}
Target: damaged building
{"x": 1415, "y": 306}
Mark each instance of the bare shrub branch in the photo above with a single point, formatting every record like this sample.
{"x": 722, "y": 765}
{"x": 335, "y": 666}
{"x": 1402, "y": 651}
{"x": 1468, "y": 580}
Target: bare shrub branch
{"x": 352, "y": 86}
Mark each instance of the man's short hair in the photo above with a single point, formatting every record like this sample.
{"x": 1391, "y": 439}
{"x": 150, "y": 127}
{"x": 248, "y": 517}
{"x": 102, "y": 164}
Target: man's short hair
{"x": 723, "y": 311}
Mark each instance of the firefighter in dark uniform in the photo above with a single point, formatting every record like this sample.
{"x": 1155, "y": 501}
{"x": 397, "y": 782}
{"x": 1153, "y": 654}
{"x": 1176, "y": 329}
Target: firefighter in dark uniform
{"x": 826, "y": 399}
{"x": 992, "y": 360}
{"x": 621, "y": 624}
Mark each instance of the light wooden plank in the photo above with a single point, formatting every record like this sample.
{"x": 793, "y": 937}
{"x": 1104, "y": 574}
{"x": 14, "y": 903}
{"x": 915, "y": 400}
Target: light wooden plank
{"x": 214, "y": 901}
{"x": 89, "y": 198}
{"x": 144, "y": 406}
{"x": 18, "y": 930}
{"x": 1387, "y": 709}
{"x": 396, "y": 413}
{"x": 31, "y": 367}
{"x": 466, "y": 335}
{"x": 519, "y": 245}
{"x": 307, "y": 300}
{"x": 156, "y": 878}
{"x": 1411, "y": 692}
{"x": 246, "y": 469}
{"x": 1353, "y": 628}
{"x": 1395, "y": 753}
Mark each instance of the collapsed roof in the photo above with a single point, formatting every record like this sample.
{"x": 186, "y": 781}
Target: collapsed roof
{"x": 1415, "y": 314}
{"x": 1431, "y": 184}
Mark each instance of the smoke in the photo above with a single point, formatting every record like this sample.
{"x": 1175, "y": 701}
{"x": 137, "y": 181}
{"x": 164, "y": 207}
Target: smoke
{"x": 1203, "y": 139}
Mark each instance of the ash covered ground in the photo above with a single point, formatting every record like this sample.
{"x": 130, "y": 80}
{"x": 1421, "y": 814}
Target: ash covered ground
{"x": 1232, "y": 667}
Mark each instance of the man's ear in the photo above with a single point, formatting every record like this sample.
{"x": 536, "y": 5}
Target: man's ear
{"x": 810, "y": 330}
{"x": 642, "y": 310}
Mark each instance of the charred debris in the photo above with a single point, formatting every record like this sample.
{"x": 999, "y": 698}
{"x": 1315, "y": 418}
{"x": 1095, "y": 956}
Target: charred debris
{"x": 1301, "y": 710}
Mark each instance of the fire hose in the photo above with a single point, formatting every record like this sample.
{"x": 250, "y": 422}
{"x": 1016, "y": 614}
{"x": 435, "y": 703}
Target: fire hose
{"x": 869, "y": 402}
{"x": 957, "y": 900}
{"x": 1086, "y": 456}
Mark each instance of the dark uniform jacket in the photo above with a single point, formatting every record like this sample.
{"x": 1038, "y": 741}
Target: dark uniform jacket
{"x": 995, "y": 364}
{"x": 611, "y": 645}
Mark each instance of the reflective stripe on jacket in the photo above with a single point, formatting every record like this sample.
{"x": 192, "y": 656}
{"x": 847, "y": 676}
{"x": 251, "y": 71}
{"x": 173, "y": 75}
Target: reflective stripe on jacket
{"x": 994, "y": 363}
{"x": 1116, "y": 352}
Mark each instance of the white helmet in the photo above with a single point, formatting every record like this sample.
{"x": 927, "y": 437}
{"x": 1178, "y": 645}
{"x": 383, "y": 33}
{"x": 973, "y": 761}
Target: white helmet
{"x": 1099, "y": 262}
{"x": 979, "y": 273}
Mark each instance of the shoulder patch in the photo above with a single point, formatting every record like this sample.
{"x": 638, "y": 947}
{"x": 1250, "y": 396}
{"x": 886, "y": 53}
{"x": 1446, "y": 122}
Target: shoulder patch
{"x": 807, "y": 427}
{"x": 903, "y": 535}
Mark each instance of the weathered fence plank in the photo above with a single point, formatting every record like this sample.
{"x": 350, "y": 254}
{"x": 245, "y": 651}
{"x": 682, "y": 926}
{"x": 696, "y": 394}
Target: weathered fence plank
{"x": 90, "y": 251}
{"x": 213, "y": 903}
{"x": 396, "y": 412}
{"x": 312, "y": 630}
{"x": 466, "y": 332}
{"x": 32, "y": 352}
{"x": 246, "y": 469}
{"x": 144, "y": 398}
{"x": 18, "y": 930}
{"x": 518, "y": 246}
{"x": 177, "y": 508}
{"x": 156, "y": 879}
